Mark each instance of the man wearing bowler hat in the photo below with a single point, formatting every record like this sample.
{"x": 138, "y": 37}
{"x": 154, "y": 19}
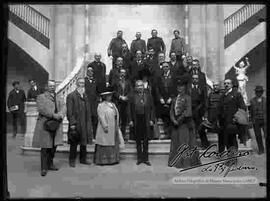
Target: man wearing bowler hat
{"x": 258, "y": 116}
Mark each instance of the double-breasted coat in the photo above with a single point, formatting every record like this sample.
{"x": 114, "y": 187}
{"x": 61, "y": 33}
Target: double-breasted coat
{"x": 79, "y": 114}
{"x": 46, "y": 106}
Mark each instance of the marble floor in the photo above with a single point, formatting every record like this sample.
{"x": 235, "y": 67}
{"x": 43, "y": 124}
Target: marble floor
{"x": 126, "y": 179}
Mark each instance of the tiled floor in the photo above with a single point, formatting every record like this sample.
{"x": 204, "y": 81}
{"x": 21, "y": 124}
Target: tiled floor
{"x": 123, "y": 180}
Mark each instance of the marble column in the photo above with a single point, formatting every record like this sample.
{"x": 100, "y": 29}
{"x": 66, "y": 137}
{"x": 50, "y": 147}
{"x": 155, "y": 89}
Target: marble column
{"x": 206, "y": 39}
{"x": 62, "y": 47}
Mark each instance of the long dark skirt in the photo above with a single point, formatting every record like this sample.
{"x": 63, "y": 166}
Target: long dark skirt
{"x": 107, "y": 155}
{"x": 180, "y": 136}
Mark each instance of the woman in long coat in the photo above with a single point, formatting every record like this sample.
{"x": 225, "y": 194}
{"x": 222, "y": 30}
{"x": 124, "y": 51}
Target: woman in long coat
{"x": 182, "y": 133}
{"x": 107, "y": 137}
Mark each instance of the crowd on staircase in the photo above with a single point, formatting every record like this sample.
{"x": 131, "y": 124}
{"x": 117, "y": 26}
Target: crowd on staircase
{"x": 142, "y": 90}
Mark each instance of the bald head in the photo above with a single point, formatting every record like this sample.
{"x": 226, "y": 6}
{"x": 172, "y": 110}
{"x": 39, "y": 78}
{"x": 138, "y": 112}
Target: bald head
{"x": 97, "y": 56}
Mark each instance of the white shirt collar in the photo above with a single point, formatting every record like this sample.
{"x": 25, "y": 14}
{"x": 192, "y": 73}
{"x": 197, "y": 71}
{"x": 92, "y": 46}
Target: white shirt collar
{"x": 228, "y": 91}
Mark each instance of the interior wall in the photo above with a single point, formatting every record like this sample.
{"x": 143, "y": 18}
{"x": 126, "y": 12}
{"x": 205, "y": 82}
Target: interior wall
{"x": 106, "y": 20}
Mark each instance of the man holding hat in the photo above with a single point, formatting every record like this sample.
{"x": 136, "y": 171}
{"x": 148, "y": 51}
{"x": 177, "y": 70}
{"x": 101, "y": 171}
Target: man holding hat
{"x": 258, "y": 116}
{"x": 15, "y": 103}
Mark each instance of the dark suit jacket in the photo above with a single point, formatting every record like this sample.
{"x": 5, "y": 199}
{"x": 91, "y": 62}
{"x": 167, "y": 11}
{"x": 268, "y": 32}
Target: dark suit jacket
{"x": 137, "y": 45}
{"x": 168, "y": 91}
{"x": 91, "y": 90}
{"x": 114, "y": 76}
{"x": 126, "y": 59}
{"x": 198, "y": 99}
{"x": 202, "y": 79}
{"x": 99, "y": 69}
{"x": 79, "y": 114}
{"x": 156, "y": 43}
{"x": 122, "y": 91}
{"x": 177, "y": 69}
{"x": 149, "y": 111}
{"x": 32, "y": 94}
{"x": 135, "y": 68}
{"x": 16, "y": 99}
{"x": 115, "y": 47}
{"x": 253, "y": 104}
{"x": 229, "y": 104}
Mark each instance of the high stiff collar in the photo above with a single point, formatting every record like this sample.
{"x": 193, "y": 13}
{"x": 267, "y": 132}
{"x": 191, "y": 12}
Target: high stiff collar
{"x": 80, "y": 95}
{"x": 229, "y": 91}
{"x": 167, "y": 74}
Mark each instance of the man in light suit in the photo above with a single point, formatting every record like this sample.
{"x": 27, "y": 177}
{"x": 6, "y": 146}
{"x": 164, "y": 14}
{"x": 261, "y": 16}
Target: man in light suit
{"x": 43, "y": 138}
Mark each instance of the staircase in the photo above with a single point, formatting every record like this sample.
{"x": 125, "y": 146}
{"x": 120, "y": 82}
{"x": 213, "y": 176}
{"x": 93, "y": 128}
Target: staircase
{"x": 239, "y": 28}
{"x": 30, "y": 30}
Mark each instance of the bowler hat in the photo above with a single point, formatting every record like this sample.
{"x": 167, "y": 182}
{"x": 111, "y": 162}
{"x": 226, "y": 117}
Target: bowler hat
{"x": 106, "y": 90}
{"x": 259, "y": 88}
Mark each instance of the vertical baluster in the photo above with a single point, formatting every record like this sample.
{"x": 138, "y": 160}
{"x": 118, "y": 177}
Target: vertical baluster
{"x": 225, "y": 30}
{"x": 22, "y": 7}
{"x": 230, "y": 25}
{"x": 26, "y": 14}
{"x": 30, "y": 17}
{"x": 19, "y": 10}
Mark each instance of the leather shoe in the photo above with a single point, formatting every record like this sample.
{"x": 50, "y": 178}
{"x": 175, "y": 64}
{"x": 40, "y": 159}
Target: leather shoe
{"x": 53, "y": 168}
{"x": 72, "y": 163}
{"x": 147, "y": 163}
{"x": 138, "y": 162}
{"x": 43, "y": 173}
{"x": 85, "y": 162}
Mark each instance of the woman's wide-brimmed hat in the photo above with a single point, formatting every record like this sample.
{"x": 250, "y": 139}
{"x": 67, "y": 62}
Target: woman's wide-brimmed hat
{"x": 107, "y": 91}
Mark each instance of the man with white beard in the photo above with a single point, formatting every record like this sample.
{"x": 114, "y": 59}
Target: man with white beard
{"x": 80, "y": 130}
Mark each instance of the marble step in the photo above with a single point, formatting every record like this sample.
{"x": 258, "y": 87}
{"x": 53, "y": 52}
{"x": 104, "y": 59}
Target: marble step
{"x": 130, "y": 148}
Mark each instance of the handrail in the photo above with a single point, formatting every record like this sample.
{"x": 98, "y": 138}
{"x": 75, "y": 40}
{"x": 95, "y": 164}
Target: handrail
{"x": 241, "y": 16}
{"x": 69, "y": 83}
{"x": 32, "y": 17}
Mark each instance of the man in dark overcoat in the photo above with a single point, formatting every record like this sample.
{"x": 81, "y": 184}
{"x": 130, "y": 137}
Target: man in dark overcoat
{"x": 92, "y": 93}
{"x": 122, "y": 90}
{"x": 44, "y": 139}
{"x": 141, "y": 116}
{"x": 178, "y": 45}
{"x": 15, "y": 103}
{"x": 258, "y": 114}
{"x": 166, "y": 91}
{"x": 138, "y": 44}
{"x": 115, "y": 47}
{"x": 230, "y": 102}
{"x": 198, "y": 99}
{"x": 34, "y": 91}
{"x": 114, "y": 74}
{"x": 156, "y": 43}
{"x": 99, "y": 71}
{"x": 137, "y": 65}
{"x": 80, "y": 131}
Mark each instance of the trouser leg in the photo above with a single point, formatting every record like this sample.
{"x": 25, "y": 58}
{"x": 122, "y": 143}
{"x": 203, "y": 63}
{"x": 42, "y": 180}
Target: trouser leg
{"x": 83, "y": 153}
{"x": 44, "y": 159}
{"x": 203, "y": 136}
{"x": 14, "y": 123}
{"x": 145, "y": 149}
{"x": 72, "y": 152}
{"x": 258, "y": 135}
{"x": 139, "y": 149}
{"x": 94, "y": 124}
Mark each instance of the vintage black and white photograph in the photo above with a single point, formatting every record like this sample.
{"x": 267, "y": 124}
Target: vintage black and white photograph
{"x": 136, "y": 100}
